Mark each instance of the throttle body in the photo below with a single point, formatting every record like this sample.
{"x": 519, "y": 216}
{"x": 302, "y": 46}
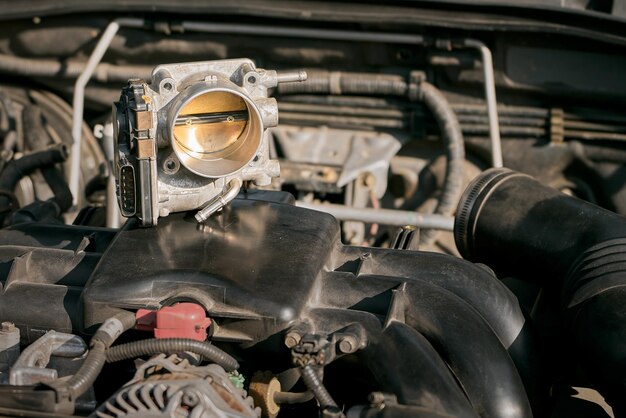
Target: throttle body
{"x": 190, "y": 138}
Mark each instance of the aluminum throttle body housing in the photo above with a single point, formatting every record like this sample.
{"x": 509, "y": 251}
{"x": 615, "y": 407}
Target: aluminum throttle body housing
{"x": 190, "y": 138}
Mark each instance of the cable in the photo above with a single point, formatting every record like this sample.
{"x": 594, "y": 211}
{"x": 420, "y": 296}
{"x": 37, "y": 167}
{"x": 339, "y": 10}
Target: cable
{"x": 452, "y": 137}
{"x": 86, "y": 375}
{"x": 315, "y": 385}
{"x": 169, "y": 346}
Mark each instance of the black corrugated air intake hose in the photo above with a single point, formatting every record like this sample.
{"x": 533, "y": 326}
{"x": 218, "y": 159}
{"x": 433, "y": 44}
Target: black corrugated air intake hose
{"x": 324, "y": 82}
{"x": 521, "y": 228}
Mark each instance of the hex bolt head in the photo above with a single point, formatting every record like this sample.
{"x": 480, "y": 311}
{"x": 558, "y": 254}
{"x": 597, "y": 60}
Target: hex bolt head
{"x": 348, "y": 344}
{"x": 292, "y": 339}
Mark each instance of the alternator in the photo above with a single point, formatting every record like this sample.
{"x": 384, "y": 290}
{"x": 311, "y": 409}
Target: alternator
{"x": 170, "y": 387}
{"x": 190, "y": 138}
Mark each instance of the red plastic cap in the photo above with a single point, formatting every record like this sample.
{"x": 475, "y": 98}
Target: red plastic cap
{"x": 183, "y": 320}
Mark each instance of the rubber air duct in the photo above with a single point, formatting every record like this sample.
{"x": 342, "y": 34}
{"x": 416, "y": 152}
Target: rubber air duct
{"x": 522, "y": 228}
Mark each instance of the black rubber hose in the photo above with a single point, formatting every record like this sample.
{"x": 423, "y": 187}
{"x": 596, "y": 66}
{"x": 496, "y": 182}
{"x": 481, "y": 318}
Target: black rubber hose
{"x": 315, "y": 385}
{"x": 520, "y": 227}
{"x": 524, "y": 229}
{"x": 36, "y": 138}
{"x": 58, "y": 185}
{"x": 170, "y": 346}
{"x": 16, "y": 169}
{"x": 108, "y": 332}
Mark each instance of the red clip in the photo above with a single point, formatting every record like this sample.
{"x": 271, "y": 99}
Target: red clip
{"x": 183, "y": 320}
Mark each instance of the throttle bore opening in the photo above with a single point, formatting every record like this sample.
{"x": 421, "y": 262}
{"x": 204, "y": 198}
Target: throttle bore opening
{"x": 216, "y": 133}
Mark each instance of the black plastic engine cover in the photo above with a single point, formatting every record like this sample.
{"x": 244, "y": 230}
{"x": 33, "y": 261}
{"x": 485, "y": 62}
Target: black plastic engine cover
{"x": 261, "y": 267}
{"x": 256, "y": 260}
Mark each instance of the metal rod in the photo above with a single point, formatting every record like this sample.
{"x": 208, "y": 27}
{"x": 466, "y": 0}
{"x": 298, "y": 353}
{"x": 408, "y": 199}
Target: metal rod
{"x": 78, "y": 100}
{"x": 343, "y": 35}
{"x": 291, "y": 76}
{"x": 218, "y": 202}
{"x": 490, "y": 97}
{"x": 383, "y": 216}
{"x": 216, "y": 117}
{"x": 293, "y": 397}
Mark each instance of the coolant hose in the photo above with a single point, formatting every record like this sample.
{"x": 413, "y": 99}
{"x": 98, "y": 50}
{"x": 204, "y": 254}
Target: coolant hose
{"x": 169, "y": 346}
{"x": 37, "y": 138}
{"x": 16, "y": 169}
{"x": 324, "y": 82}
{"x": 56, "y": 181}
{"x": 108, "y": 332}
{"x": 520, "y": 227}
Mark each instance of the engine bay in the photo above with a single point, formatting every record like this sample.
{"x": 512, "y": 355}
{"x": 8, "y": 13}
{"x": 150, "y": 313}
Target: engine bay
{"x": 311, "y": 209}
